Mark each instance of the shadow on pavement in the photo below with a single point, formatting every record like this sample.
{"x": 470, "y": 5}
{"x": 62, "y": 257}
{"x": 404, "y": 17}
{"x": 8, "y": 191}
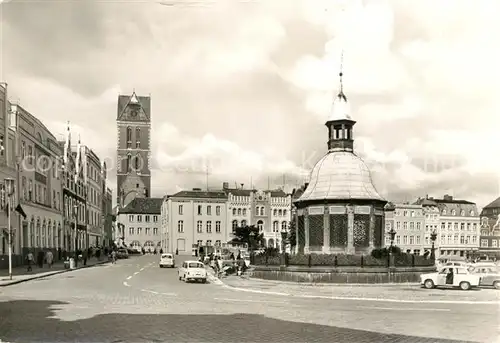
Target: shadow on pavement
{"x": 30, "y": 321}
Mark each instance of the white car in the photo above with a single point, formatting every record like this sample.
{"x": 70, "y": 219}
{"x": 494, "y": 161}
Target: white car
{"x": 193, "y": 271}
{"x": 451, "y": 276}
{"x": 167, "y": 260}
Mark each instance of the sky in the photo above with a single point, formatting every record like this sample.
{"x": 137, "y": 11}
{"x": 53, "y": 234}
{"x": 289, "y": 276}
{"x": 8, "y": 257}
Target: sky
{"x": 242, "y": 88}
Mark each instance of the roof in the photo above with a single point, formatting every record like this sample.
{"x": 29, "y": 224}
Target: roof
{"x": 494, "y": 204}
{"x": 239, "y": 192}
{"x": 143, "y": 206}
{"x": 340, "y": 175}
{"x": 200, "y": 195}
{"x": 340, "y": 108}
{"x": 125, "y": 100}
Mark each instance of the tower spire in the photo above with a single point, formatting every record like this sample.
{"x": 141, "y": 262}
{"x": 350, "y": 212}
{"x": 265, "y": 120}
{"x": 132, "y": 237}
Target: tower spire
{"x": 341, "y": 76}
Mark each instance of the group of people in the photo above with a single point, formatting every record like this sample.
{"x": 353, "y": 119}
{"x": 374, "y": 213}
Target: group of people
{"x": 216, "y": 262}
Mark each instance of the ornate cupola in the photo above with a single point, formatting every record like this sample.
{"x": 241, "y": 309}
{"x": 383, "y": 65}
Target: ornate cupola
{"x": 340, "y": 123}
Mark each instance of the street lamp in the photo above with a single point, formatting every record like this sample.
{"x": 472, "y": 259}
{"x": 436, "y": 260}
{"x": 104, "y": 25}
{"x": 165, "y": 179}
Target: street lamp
{"x": 433, "y": 239}
{"x": 284, "y": 233}
{"x": 252, "y": 235}
{"x": 9, "y": 190}
{"x": 392, "y": 234}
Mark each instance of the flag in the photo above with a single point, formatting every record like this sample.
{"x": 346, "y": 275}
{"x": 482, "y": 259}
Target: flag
{"x": 19, "y": 209}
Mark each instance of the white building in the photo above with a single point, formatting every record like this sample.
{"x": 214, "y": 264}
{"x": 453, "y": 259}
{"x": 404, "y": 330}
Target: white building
{"x": 458, "y": 230}
{"x": 194, "y": 218}
{"x": 139, "y": 224}
{"x": 408, "y": 221}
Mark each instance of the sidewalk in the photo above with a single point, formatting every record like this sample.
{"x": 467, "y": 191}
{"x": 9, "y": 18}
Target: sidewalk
{"x": 378, "y": 292}
{"x": 20, "y": 274}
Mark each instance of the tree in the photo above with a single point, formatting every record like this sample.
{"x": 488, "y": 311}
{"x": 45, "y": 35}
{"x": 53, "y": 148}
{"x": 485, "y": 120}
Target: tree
{"x": 292, "y": 235}
{"x": 242, "y": 236}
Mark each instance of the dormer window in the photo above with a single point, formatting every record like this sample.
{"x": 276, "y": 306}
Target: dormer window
{"x": 444, "y": 212}
{"x": 129, "y": 137}
{"x": 453, "y": 212}
{"x": 472, "y": 213}
{"x": 462, "y": 213}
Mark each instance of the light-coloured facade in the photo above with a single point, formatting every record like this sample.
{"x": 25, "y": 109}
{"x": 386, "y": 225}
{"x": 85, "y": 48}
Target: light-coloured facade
{"x": 140, "y": 225}
{"x": 8, "y": 170}
{"x": 408, "y": 222}
{"x": 40, "y": 183}
{"x": 195, "y": 218}
{"x": 459, "y": 226}
{"x": 269, "y": 210}
{"x": 93, "y": 178}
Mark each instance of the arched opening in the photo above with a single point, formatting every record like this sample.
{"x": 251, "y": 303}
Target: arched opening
{"x": 260, "y": 225}
{"x": 270, "y": 243}
{"x": 129, "y": 164}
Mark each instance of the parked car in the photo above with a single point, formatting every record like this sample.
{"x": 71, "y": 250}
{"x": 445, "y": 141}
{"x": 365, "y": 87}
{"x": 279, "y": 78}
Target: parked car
{"x": 167, "y": 260}
{"x": 451, "y": 276}
{"x": 490, "y": 276}
{"x": 193, "y": 271}
{"x": 122, "y": 253}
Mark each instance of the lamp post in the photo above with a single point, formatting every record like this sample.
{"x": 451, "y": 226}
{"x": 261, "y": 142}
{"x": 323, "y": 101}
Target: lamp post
{"x": 433, "y": 239}
{"x": 9, "y": 190}
{"x": 75, "y": 214}
{"x": 392, "y": 234}
{"x": 284, "y": 233}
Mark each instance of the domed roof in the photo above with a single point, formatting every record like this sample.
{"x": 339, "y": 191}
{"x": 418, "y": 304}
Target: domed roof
{"x": 340, "y": 175}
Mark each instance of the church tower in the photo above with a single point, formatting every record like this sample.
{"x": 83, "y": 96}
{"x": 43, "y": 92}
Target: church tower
{"x": 133, "y": 173}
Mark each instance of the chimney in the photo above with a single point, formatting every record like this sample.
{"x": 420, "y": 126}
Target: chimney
{"x": 225, "y": 185}
{"x": 242, "y": 184}
{"x": 447, "y": 197}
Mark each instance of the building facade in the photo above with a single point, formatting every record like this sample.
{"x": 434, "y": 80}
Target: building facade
{"x": 268, "y": 210}
{"x": 458, "y": 229}
{"x": 195, "y": 218}
{"x": 74, "y": 192}
{"x": 408, "y": 221}
{"x": 108, "y": 238}
{"x": 93, "y": 178}
{"x": 40, "y": 183}
{"x": 140, "y": 225}
{"x": 8, "y": 170}
{"x": 489, "y": 239}
{"x": 134, "y": 148}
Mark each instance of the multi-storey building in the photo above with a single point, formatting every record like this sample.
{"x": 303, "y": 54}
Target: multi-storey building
{"x": 195, "y": 218}
{"x": 8, "y": 169}
{"x": 489, "y": 247}
{"x": 458, "y": 228}
{"x": 93, "y": 178}
{"x": 134, "y": 148}
{"x": 74, "y": 190}
{"x": 40, "y": 183}
{"x": 408, "y": 221}
{"x": 269, "y": 210}
{"x": 139, "y": 223}
{"x": 108, "y": 218}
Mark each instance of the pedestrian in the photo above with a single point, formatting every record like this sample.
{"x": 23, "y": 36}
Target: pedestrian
{"x": 49, "y": 257}
{"x": 98, "y": 254}
{"x": 113, "y": 257}
{"x": 85, "y": 256}
{"x": 30, "y": 258}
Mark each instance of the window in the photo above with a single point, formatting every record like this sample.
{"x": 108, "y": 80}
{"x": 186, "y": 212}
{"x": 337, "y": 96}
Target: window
{"x": 137, "y": 138}
{"x": 147, "y": 218}
{"x": 474, "y": 239}
{"x": 494, "y": 243}
{"x": 474, "y": 227}
{"x": 181, "y": 209}
{"x": 137, "y": 166}
{"x": 398, "y": 225}
{"x": 239, "y": 211}
{"x": 243, "y": 223}
{"x": 129, "y": 162}
{"x": 234, "y": 211}
{"x": 257, "y": 210}
{"x": 244, "y": 213}
{"x": 455, "y": 226}
{"x": 199, "y": 226}
{"x": 484, "y": 242}
{"x": 455, "y": 238}
{"x": 472, "y": 213}
{"x": 419, "y": 226}
{"x": 262, "y": 211}
{"x": 217, "y": 226}
{"x": 131, "y": 231}
{"x": 398, "y": 239}
{"x": 148, "y": 231}
{"x": 139, "y": 218}
{"x": 180, "y": 226}
{"x": 418, "y": 239}
{"x": 209, "y": 210}
{"x": 412, "y": 240}
{"x": 199, "y": 210}
{"x": 275, "y": 212}
{"x": 209, "y": 226}
{"x": 275, "y": 226}
{"x": 405, "y": 225}
{"x": 199, "y": 242}
{"x": 412, "y": 225}
{"x": 235, "y": 224}
{"x": 155, "y": 219}
{"x": 2, "y": 146}
{"x": 444, "y": 212}
{"x": 453, "y": 212}
{"x": 260, "y": 225}
{"x": 462, "y": 239}
{"x": 217, "y": 243}
{"x": 462, "y": 213}
{"x": 217, "y": 210}
{"x": 155, "y": 231}
{"x": 139, "y": 230}
{"x": 129, "y": 137}
{"x": 284, "y": 212}
{"x": 209, "y": 242}
{"x": 284, "y": 226}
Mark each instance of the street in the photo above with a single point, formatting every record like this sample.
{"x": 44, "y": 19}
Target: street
{"x": 137, "y": 301}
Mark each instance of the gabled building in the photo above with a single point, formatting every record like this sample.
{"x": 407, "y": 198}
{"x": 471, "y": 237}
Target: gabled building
{"x": 489, "y": 247}
{"x": 408, "y": 221}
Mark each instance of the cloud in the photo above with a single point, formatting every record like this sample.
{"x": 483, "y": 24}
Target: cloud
{"x": 249, "y": 85}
